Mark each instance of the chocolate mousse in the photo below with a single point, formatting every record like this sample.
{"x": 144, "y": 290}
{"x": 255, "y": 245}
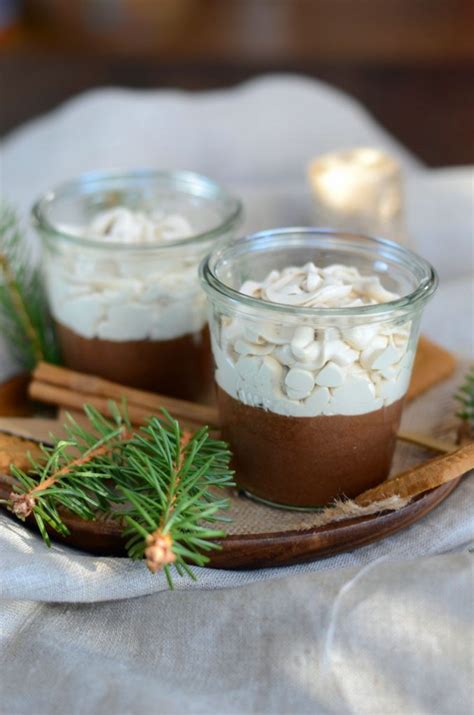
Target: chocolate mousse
{"x": 129, "y": 308}
{"x": 181, "y": 367}
{"x": 308, "y": 461}
{"x": 309, "y": 405}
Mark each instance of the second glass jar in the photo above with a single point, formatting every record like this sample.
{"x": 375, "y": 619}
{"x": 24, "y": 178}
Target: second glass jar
{"x": 130, "y": 311}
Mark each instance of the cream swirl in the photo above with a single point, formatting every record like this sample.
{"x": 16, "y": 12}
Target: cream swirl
{"x": 122, "y": 225}
{"x": 336, "y": 286}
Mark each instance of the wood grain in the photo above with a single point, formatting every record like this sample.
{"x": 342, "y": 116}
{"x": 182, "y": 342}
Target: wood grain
{"x": 392, "y": 31}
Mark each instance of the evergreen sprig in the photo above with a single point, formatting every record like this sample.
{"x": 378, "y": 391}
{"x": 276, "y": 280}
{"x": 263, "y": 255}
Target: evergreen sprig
{"x": 465, "y": 397}
{"x": 25, "y": 321}
{"x": 161, "y": 482}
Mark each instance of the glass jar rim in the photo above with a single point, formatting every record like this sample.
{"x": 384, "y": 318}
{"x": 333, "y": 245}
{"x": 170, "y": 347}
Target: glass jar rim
{"x": 327, "y": 238}
{"x": 208, "y": 188}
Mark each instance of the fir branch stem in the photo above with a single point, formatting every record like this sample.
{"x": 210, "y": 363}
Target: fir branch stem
{"x": 25, "y": 320}
{"x": 159, "y": 544}
{"x": 171, "y": 497}
{"x": 465, "y": 398}
{"x": 19, "y": 305}
{"x": 23, "y": 504}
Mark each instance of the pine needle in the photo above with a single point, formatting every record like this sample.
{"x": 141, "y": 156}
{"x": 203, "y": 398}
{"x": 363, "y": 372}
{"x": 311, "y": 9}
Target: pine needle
{"x": 163, "y": 484}
{"x": 24, "y": 317}
{"x": 465, "y": 397}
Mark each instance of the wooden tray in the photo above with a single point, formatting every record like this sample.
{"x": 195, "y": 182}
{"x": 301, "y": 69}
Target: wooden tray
{"x": 260, "y": 536}
{"x": 272, "y": 548}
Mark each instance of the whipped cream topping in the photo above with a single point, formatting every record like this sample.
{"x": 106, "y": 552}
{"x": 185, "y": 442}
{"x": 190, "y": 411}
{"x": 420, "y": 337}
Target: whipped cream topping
{"x": 335, "y": 286}
{"x": 300, "y": 369}
{"x": 128, "y": 296}
{"x": 122, "y": 225}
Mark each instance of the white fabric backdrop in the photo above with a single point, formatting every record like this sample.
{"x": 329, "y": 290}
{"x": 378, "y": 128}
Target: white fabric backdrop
{"x": 350, "y": 634}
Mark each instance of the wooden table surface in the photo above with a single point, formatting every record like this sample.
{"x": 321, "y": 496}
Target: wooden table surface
{"x": 410, "y": 62}
{"x": 429, "y": 108}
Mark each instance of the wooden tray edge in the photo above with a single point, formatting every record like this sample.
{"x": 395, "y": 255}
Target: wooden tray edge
{"x": 292, "y": 547}
{"x": 267, "y": 550}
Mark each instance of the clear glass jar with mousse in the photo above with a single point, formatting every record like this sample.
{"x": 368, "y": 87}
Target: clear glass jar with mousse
{"x": 310, "y": 398}
{"x": 132, "y": 311}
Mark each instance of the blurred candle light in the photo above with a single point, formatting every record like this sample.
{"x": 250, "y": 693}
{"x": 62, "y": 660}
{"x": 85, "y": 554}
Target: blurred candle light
{"x": 359, "y": 190}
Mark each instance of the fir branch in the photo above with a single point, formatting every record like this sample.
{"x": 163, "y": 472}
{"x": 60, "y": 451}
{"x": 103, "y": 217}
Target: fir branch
{"x": 72, "y": 475}
{"x": 24, "y": 317}
{"x": 465, "y": 397}
{"x": 169, "y": 487}
{"x": 18, "y": 303}
{"x": 161, "y": 482}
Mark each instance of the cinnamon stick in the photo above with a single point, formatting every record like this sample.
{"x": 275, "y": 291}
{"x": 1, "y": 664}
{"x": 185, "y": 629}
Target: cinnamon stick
{"x": 67, "y": 388}
{"x": 426, "y": 476}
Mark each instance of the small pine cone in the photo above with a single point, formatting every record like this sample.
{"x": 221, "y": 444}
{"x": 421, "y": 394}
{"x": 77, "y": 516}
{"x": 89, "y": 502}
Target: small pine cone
{"x": 22, "y": 504}
{"x": 159, "y": 551}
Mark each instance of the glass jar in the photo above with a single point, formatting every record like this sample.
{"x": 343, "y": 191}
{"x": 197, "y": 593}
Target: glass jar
{"x": 131, "y": 311}
{"x": 310, "y": 399}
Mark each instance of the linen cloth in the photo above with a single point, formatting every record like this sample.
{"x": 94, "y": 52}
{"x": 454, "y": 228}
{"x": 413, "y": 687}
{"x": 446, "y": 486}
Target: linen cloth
{"x": 369, "y": 631}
